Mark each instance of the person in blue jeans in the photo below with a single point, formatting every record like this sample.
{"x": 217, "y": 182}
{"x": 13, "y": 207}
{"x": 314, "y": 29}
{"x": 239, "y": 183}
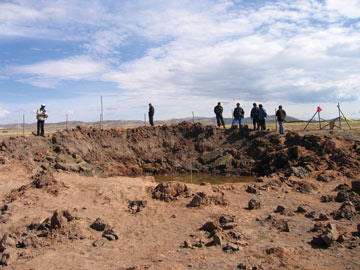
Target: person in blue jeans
{"x": 262, "y": 116}
{"x": 281, "y": 115}
{"x": 238, "y": 115}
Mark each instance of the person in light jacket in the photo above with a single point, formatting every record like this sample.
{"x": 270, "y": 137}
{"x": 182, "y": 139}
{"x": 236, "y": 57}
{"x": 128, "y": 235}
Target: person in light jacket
{"x": 41, "y": 116}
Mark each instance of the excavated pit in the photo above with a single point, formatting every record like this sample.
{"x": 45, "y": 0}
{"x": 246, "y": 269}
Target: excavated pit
{"x": 177, "y": 149}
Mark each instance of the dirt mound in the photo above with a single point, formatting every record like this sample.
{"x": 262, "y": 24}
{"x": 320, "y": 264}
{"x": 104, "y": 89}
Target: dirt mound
{"x": 179, "y": 148}
{"x": 169, "y": 191}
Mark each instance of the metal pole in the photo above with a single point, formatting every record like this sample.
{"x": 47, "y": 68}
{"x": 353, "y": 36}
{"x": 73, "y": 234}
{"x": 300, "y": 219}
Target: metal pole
{"x": 193, "y": 117}
{"x": 319, "y": 120}
{"x": 23, "y": 124}
{"x": 144, "y": 119}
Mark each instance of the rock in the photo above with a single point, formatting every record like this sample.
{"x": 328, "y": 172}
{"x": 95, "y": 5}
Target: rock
{"x": 207, "y": 157}
{"x": 30, "y": 241}
{"x": 110, "y": 234}
{"x": 355, "y": 186}
{"x": 327, "y": 176}
{"x": 99, "y": 242}
{"x": 68, "y": 215}
{"x": 343, "y": 187}
{"x": 327, "y": 198}
{"x": 346, "y": 210}
{"x": 323, "y": 217}
{"x": 282, "y": 225}
{"x": 342, "y": 196}
{"x": 253, "y": 204}
{"x": 43, "y": 179}
{"x": 311, "y": 214}
{"x": 229, "y": 226}
{"x": 280, "y": 209}
{"x": 56, "y": 221}
{"x": 217, "y": 240}
{"x": 318, "y": 227}
{"x": 4, "y": 217}
{"x": 330, "y": 235}
{"x": 300, "y": 172}
{"x": 98, "y": 225}
{"x": 8, "y": 257}
{"x": 223, "y": 162}
{"x": 231, "y": 247}
{"x": 250, "y": 189}
{"x": 211, "y": 226}
{"x": 6, "y": 242}
{"x": 301, "y": 209}
{"x": 136, "y": 206}
{"x": 276, "y": 251}
{"x": 187, "y": 244}
{"x": 169, "y": 191}
{"x": 223, "y": 219}
{"x": 201, "y": 198}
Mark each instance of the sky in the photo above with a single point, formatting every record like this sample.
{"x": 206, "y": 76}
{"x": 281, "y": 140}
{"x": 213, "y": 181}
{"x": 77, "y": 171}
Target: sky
{"x": 183, "y": 56}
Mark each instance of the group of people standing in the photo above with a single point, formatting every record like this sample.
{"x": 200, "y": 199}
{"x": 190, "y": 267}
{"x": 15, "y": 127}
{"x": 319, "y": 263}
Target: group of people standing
{"x": 258, "y": 115}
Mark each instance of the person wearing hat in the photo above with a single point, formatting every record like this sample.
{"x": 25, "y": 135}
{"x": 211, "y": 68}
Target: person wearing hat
{"x": 41, "y": 116}
{"x": 151, "y": 114}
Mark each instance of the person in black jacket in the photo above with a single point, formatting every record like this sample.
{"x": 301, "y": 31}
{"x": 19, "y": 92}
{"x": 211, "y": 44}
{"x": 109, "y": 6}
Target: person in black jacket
{"x": 238, "y": 115}
{"x": 281, "y": 115}
{"x": 218, "y": 110}
{"x": 151, "y": 114}
{"x": 254, "y": 115}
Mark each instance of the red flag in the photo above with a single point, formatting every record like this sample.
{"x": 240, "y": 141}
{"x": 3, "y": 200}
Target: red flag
{"x": 319, "y": 109}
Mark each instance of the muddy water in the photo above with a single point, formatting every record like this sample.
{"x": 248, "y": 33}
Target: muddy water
{"x": 200, "y": 178}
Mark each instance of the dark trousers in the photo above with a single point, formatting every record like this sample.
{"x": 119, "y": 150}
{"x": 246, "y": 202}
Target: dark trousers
{"x": 256, "y": 123}
{"x": 262, "y": 124}
{"x": 151, "y": 120}
{"x": 40, "y": 128}
{"x": 220, "y": 120}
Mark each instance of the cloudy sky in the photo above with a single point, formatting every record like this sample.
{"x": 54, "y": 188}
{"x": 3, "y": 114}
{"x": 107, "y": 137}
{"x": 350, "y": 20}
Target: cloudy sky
{"x": 183, "y": 56}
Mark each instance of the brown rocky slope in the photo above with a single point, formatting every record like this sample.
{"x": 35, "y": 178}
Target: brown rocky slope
{"x": 59, "y": 211}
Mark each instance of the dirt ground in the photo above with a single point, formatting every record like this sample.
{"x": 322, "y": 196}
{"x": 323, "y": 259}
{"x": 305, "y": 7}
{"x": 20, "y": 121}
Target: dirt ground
{"x": 68, "y": 201}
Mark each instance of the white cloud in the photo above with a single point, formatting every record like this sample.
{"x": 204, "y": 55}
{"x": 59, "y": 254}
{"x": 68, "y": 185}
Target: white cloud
{"x": 347, "y": 8}
{"x": 3, "y": 113}
{"x": 49, "y": 73}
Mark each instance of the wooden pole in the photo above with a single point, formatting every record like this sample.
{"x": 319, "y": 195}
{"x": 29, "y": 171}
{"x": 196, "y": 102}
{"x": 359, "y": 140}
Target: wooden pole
{"x": 344, "y": 118}
{"x": 339, "y": 114}
{"x": 102, "y": 114}
{"x": 275, "y": 121}
{"x": 144, "y": 119}
{"x": 23, "y": 124}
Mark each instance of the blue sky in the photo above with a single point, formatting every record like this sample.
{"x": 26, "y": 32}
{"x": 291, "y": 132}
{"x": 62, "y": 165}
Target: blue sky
{"x": 183, "y": 56}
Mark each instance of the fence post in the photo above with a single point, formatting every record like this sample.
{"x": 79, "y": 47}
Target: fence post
{"x": 23, "y": 124}
{"x": 275, "y": 121}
